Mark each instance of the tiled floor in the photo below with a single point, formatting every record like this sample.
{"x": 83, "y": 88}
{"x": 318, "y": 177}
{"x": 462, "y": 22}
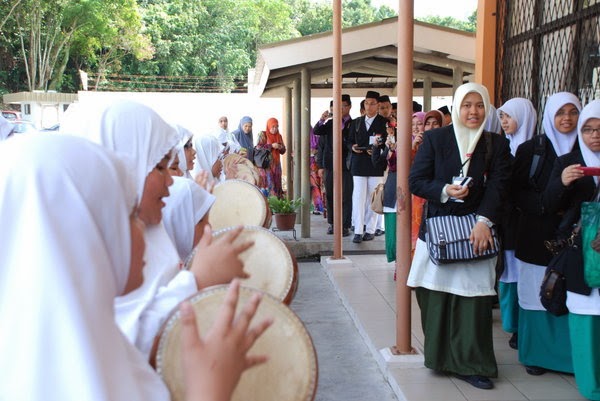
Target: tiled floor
{"x": 367, "y": 289}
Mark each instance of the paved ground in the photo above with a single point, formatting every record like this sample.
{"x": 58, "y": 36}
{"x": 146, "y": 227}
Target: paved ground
{"x": 347, "y": 369}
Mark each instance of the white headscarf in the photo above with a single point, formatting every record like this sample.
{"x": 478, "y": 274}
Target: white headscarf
{"x": 64, "y": 257}
{"x": 467, "y": 138}
{"x": 591, "y": 110}
{"x": 562, "y": 143}
{"x": 184, "y": 137}
{"x": 492, "y": 124}
{"x": 5, "y": 128}
{"x": 131, "y": 129}
{"x": 186, "y": 205}
{"x": 140, "y": 136}
{"x": 208, "y": 150}
{"x": 522, "y": 111}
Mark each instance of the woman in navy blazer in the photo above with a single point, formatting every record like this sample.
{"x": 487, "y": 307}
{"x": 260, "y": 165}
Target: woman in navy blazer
{"x": 456, "y": 300}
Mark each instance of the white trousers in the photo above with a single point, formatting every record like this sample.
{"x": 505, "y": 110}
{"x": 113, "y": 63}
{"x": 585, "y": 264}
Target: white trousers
{"x": 361, "y": 204}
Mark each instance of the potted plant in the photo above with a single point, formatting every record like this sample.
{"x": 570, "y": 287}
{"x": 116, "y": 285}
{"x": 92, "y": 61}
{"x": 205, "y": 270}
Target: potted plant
{"x": 284, "y": 211}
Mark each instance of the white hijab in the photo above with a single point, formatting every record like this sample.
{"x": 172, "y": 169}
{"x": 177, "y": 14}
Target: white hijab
{"x": 492, "y": 124}
{"x": 5, "y": 128}
{"x": 184, "y": 137}
{"x": 208, "y": 150}
{"x": 591, "y": 110}
{"x": 186, "y": 205}
{"x": 522, "y": 111}
{"x": 65, "y": 256}
{"x": 467, "y": 138}
{"x": 140, "y": 136}
{"x": 562, "y": 143}
{"x": 131, "y": 129}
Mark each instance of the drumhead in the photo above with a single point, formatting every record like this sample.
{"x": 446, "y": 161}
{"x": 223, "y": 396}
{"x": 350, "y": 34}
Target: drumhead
{"x": 271, "y": 266}
{"x": 290, "y": 374}
{"x": 237, "y": 203}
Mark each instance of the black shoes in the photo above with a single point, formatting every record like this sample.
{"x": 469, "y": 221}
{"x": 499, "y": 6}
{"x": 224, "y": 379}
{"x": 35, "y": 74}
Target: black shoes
{"x": 481, "y": 382}
{"x": 345, "y": 232}
{"x": 357, "y": 238}
{"x": 514, "y": 341}
{"x": 535, "y": 370}
{"x": 368, "y": 237}
{"x": 379, "y": 233}
{"x": 330, "y": 229}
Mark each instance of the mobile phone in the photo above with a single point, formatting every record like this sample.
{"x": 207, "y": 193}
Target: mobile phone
{"x": 462, "y": 181}
{"x": 361, "y": 147}
{"x": 590, "y": 170}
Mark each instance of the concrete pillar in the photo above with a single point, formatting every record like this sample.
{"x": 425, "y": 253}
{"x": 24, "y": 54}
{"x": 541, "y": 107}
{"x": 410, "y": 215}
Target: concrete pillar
{"x": 427, "y": 94}
{"x": 297, "y": 136}
{"x": 403, "y": 201}
{"x": 289, "y": 143}
{"x": 337, "y": 127}
{"x": 457, "y": 78}
{"x": 305, "y": 152}
{"x": 485, "y": 46}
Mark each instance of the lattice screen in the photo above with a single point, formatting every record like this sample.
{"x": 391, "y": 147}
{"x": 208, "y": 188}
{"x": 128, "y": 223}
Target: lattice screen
{"x": 548, "y": 46}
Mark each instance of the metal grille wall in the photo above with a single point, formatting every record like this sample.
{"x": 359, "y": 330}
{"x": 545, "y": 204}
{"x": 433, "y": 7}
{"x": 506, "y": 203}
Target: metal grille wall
{"x": 547, "y": 46}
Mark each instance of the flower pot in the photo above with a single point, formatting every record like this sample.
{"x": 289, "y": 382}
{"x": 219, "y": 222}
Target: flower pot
{"x": 285, "y": 221}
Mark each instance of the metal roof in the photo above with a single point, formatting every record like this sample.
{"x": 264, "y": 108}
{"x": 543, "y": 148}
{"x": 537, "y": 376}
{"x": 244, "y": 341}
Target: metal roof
{"x": 369, "y": 59}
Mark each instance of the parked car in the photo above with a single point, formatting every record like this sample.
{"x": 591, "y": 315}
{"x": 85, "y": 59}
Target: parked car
{"x": 11, "y": 115}
{"x": 23, "y": 127}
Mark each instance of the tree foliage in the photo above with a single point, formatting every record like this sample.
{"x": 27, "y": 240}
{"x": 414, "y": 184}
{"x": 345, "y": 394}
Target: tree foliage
{"x": 452, "y": 22}
{"x": 43, "y": 43}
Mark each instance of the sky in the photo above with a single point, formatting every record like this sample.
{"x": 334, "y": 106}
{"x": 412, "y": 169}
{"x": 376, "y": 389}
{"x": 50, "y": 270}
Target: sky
{"x": 459, "y": 9}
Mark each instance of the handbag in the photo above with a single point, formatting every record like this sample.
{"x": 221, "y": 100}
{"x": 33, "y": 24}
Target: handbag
{"x": 262, "y": 157}
{"x": 447, "y": 239}
{"x": 553, "y": 291}
{"x": 590, "y": 231}
{"x": 377, "y": 199}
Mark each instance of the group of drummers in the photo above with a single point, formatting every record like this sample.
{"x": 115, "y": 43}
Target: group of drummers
{"x": 113, "y": 284}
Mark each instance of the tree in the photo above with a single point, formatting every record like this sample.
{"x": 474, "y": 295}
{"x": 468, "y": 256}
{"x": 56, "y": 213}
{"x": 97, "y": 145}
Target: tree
{"x": 47, "y": 31}
{"x": 451, "y": 22}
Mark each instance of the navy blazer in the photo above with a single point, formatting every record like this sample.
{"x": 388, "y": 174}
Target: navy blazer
{"x": 535, "y": 224}
{"x": 361, "y": 164}
{"x": 567, "y": 201}
{"x": 438, "y": 160}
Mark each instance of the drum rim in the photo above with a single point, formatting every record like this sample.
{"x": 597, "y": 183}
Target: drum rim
{"x": 290, "y": 280}
{"x": 254, "y": 187}
{"x": 175, "y": 316}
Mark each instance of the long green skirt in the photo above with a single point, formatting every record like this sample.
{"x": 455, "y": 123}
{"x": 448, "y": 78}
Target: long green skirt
{"x": 389, "y": 220}
{"x": 458, "y": 333}
{"x": 585, "y": 331}
{"x": 544, "y": 340}
{"x": 509, "y": 306}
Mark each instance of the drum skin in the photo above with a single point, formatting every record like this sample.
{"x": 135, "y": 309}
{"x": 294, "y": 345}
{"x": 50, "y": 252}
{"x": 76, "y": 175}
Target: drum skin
{"x": 238, "y": 203}
{"x": 290, "y": 374}
{"x": 272, "y": 267}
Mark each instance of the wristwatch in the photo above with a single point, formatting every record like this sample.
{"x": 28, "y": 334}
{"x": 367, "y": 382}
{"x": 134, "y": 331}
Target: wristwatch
{"x": 485, "y": 220}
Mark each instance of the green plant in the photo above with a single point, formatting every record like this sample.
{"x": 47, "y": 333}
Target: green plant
{"x": 282, "y": 205}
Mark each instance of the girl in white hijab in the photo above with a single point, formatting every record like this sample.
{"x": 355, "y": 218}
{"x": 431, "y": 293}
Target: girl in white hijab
{"x": 186, "y": 213}
{"x": 456, "y": 300}
{"x": 59, "y": 339}
{"x": 185, "y": 151}
{"x": 208, "y": 152}
{"x": 6, "y": 128}
{"x": 517, "y": 118}
{"x": 560, "y": 121}
{"x": 139, "y": 134}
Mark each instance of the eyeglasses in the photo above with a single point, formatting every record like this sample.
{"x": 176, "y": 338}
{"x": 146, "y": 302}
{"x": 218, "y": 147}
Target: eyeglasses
{"x": 589, "y": 130}
{"x": 572, "y": 113}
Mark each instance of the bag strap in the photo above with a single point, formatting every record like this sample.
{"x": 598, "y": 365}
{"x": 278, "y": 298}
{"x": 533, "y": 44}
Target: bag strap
{"x": 539, "y": 151}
